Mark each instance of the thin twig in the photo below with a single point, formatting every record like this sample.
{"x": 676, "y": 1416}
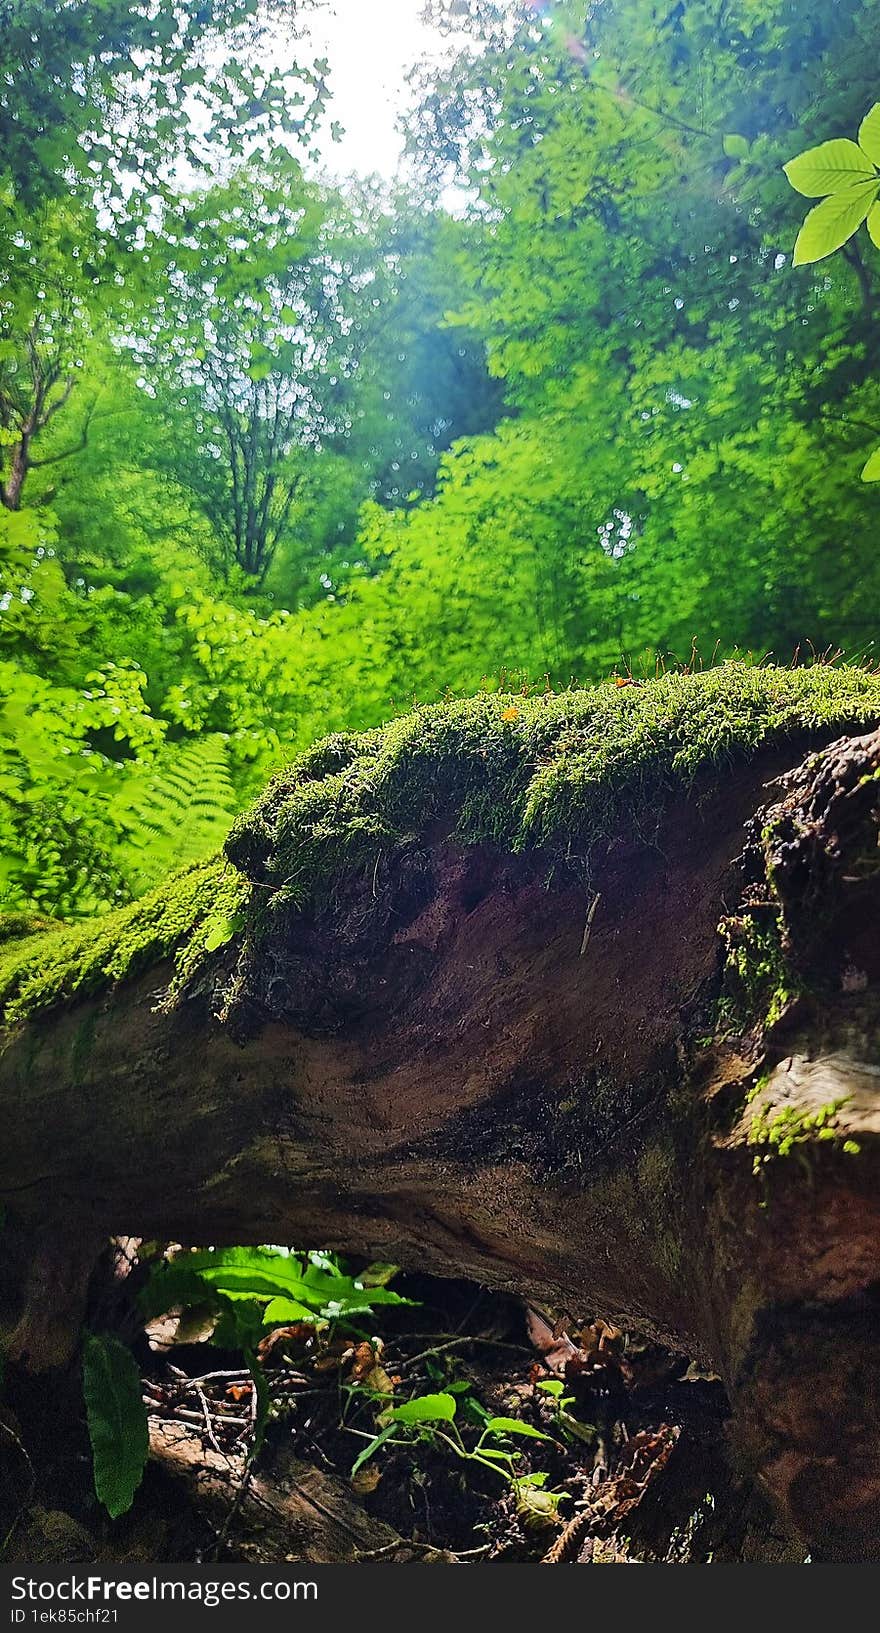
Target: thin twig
{"x": 208, "y": 1424}
{"x": 33, "y": 1485}
{"x": 394, "y": 1547}
{"x": 462, "y": 1343}
{"x": 588, "y": 927}
{"x": 181, "y": 1414}
{"x": 234, "y": 1507}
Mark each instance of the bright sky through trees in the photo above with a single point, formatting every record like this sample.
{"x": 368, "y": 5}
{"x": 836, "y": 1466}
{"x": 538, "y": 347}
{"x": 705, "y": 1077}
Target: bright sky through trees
{"x": 371, "y": 46}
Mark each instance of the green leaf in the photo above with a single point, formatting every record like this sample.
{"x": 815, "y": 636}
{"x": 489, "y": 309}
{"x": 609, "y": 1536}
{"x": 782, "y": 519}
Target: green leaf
{"x": 221, "y": 931}
{"x": 873, "y": 224}
{"x": 378, "y": 1275}
{"x": 735, "y": 147}
{"x": 240, "y": 1325}
{"x": 261, "y": 1273}
{"x": 170, "y": 1285}
{"x": 117, "y": 1421}
{"x": 251, "y": 1277}
{"x": 869, "y": 134}
{"x": 282, "y": 1312}
{"x": 426, "y": 1409}
{"x": 581, "y": 1431}
{"x": 871, "y": 471}
{"x": 832, "y": 222}
{"x": 513, "y": 1426}
{"x": 338, "y": 1309}
{"x": 829, "y": 168}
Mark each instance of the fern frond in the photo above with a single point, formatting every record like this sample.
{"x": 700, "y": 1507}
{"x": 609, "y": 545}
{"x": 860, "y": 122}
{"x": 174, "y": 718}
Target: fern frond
{"x": 180, "y": 811}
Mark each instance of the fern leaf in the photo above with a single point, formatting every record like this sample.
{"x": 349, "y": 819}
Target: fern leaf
{"x": 180, "y": 812}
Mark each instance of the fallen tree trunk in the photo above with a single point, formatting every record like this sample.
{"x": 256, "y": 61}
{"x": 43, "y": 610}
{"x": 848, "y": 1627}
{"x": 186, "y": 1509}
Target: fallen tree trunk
{"x": 537, "y": 1064}
{"x": 289, "y": 1511}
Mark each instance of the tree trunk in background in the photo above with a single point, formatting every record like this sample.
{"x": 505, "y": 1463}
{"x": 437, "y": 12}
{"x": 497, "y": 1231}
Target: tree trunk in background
{"x": 11, "y": 490}
{"x": 550, "y": 1094}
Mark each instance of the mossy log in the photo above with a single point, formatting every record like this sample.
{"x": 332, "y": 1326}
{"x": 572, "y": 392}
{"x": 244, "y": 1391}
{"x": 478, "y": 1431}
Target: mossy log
{"x": 576, "y": 996}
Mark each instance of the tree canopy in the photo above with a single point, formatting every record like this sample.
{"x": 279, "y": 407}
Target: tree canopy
{"x": 280, "y": 456}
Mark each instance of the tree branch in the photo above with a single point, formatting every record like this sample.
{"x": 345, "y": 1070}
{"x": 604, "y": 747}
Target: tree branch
{"x": 853, "y": 257}
{"x": 77, "y": 447}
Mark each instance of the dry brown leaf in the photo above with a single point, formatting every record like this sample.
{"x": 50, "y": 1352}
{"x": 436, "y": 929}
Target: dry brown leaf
{"x": 240, "y": 1392}
{"x": 336, "y": 1356}
{"x": 366, "y": 1480}
{"x": 298, "y": 1333}
{"x": 365, "y": 1358}
{"x": 553, "y": 1345}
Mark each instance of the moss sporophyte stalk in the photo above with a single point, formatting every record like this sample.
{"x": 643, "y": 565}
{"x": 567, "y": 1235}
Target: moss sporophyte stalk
{"x": 562, "y": 773}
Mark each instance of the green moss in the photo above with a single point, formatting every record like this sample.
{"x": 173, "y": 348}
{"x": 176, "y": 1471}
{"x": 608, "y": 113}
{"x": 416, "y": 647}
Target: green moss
{"x": 16, "y": 926}
{"x": 42, "y": 969}
{"x": 563, "y": 772}
{"x": 560, "y": 772}
{"x": 657, "y": 1171}
{"x": 791, "y": 1129}
{"x": 758, "y": 983}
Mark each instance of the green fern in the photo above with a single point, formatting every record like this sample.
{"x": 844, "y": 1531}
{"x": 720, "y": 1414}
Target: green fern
{"x": 180, "y": 811}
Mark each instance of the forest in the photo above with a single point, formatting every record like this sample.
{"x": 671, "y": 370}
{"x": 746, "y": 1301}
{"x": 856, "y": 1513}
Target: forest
{"x": 439, "y": 789}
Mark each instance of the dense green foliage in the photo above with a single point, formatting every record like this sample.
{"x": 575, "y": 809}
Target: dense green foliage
{"x": 278, "y": 457}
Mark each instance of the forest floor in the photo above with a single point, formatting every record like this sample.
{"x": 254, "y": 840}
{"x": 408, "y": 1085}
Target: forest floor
{"x": 621, "y": 1454}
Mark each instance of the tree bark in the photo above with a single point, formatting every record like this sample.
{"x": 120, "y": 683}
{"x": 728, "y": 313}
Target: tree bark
{"x": 288, "y": 1511}
{"x": 553, "y": 1094}
{"x": 11, "y": 489}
